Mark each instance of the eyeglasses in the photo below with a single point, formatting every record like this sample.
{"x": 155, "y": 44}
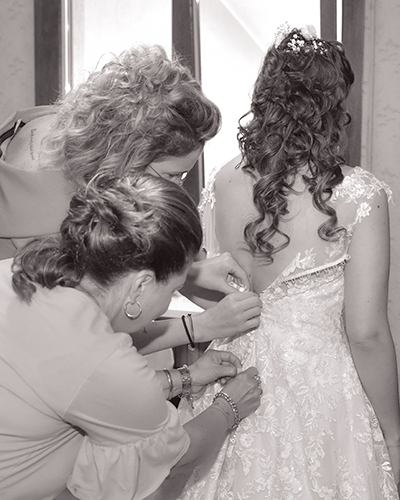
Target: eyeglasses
{"x": 175, "y": 178}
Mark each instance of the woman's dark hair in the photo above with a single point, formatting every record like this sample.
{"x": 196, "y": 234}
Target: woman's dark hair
{"x": 112, "y": 228}
{"x": 139, "y": 107}
{"x": 297, "y": 119}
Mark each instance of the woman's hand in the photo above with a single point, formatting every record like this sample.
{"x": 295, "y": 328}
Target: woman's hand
{"x": 211, "y": 366}
{"x": 245, "y": 391}
{"x": 222, "y": 274}
{"x": 235, "y": 314}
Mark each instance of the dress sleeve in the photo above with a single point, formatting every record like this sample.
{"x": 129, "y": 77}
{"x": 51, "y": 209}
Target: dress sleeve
{"x": 207, "y": 214}
{"x": 133, "y": 436}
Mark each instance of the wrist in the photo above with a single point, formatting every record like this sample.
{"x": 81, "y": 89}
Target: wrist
{"x": 224, "y": 408}
{"x": 199, "y": 327}
{"x": 233, "y": 407}
{"x": 186, "y": 381}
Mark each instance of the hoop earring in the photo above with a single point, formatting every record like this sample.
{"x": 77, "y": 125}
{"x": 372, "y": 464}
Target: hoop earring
{"x": 128, "y": 314}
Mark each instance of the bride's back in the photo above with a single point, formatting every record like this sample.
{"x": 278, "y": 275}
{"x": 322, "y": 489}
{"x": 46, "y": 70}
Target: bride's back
{"x": 234, "y": 208}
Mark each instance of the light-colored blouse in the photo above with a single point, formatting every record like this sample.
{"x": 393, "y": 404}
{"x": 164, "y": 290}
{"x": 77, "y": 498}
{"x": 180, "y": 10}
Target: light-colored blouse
{"x": 79, "y": 405}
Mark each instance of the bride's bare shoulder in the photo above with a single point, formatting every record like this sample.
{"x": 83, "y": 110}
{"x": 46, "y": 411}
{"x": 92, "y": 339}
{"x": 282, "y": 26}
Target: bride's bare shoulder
{"x": 231, "y": 172}
{"x": 233, "y": 184}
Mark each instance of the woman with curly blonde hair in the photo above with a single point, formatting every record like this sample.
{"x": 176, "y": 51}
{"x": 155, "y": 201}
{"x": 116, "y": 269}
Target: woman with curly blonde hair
{"x": 138, "y": 109}
{"x": 313, "y": 236}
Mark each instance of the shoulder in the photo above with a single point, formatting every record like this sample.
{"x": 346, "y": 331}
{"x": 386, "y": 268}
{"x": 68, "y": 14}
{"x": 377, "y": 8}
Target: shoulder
{"x": 229, "y": 169}
{"x": 231, "y": 180}
{"x": 359, "y": 184}
{"x": 23, "y": 151}
{"x": 224, "y": 173}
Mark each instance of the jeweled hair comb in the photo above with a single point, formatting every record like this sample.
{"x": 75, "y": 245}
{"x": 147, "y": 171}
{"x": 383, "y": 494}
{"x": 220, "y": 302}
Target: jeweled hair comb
{"x": 304, "y": 40}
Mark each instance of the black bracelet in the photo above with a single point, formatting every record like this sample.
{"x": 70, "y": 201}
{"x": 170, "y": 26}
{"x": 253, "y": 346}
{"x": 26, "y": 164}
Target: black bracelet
{"x": 191, "y": 345}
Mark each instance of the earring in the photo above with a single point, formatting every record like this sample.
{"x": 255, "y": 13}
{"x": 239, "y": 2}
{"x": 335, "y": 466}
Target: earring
{"x": 128, "y": 314}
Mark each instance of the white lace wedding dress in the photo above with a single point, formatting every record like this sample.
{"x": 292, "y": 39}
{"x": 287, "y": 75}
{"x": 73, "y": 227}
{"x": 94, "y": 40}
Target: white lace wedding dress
{"x": 315, "y": 435}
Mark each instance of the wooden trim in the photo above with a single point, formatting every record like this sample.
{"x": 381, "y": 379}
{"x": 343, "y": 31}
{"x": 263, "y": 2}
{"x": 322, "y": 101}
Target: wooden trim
{"x": 328, "y": 16}
{"x": 353, "y": 41}
{"x": 48, "y": 50}
{"x": 186, "y": 43}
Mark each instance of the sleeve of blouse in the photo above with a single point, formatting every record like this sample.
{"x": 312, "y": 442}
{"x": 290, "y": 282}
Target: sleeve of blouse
{"x": 133, "y": 435}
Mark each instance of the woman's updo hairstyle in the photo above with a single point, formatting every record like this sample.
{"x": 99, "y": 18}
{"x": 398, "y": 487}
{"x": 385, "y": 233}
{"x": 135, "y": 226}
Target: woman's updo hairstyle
{"x": 114, "y": 227}
{"x": 297, "y": 119}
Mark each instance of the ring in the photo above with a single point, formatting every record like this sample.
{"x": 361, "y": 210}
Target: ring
{"x": 257, "y": 379}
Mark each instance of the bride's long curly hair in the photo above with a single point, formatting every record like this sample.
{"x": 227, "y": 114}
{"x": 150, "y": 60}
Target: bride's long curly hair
{"x": 298, "y": 118}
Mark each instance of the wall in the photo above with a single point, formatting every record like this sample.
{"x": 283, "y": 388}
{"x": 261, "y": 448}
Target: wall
{"x": 235, "y": 35}
{"x": 381, "y": 124}
{"x": 17, "y": 74}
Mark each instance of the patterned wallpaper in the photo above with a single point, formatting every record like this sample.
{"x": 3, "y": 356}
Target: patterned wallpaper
{"x": 381, "y": 124}
{"x": 17, "y": 74}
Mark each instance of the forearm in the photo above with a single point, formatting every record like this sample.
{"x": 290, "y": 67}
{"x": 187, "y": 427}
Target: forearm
{"x": 200, "y": 296}
{"x": 207, "y": 433}
{"x": 375, "y": 361}
{"x": 164, "y": 334}
{"x": 159, "y": 335}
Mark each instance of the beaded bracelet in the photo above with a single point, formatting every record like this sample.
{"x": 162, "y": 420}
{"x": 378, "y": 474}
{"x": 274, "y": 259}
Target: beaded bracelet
{"x": 233, "y": 405}
{"x": 186, "y": 385}
{"x": 170, "y": 383}
{"x": 190, "y": 334}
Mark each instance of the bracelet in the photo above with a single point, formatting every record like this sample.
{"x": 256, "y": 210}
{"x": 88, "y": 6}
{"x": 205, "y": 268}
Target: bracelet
{"x": 190, "y": 336}
{"x": 191, "y": 328}
{"x": 233, "y": 405}
{"x": 186, "y": 385}
{"x": 170, "y": 383}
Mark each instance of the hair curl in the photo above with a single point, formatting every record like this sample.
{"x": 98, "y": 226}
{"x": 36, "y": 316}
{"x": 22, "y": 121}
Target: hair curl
{"x": 298, "y": 118}
{"x": 112, "y": 228}
{"x": 140, "y": 107}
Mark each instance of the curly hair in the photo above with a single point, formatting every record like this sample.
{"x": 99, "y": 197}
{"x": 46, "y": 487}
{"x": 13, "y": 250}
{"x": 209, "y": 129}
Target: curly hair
{"x": 140, "y": 107}
{"x": 298, "y": 118}
{"x": 113, "y": 227}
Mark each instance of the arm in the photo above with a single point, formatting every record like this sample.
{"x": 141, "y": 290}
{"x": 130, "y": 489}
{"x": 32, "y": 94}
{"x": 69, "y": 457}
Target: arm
{"x": 237, "y": 313}
{"x": 118, "y": 422}
{"x": 367, "y": 326}
{"x": 208, "y": 431}
{"x": 211, "y": 366}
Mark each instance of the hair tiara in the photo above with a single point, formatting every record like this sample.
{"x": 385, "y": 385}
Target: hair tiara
{"x": 305, "y": 39}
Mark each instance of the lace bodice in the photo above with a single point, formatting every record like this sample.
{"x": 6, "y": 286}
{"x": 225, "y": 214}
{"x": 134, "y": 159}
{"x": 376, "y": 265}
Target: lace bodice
{"x": 315, "y": 435}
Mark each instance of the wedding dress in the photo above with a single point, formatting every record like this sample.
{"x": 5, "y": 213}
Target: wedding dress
{"x": 315, "y": 435}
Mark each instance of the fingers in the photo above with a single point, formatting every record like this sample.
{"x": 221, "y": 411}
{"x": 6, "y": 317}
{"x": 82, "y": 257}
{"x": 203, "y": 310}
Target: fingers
{"x": 228, "y": 357}
{"x": 251, "y": 371}
{"x": 237, "y": 278}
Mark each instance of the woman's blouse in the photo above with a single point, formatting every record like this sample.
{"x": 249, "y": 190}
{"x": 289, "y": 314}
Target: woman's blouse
{"x": 78, "y": 403}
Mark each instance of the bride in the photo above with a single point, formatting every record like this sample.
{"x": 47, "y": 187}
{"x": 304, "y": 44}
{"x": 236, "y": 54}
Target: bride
{"x": 313, "y": 236}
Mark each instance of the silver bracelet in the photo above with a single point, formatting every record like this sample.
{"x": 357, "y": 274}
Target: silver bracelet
{"x": 233, "y": 405}
{"x": 170, "y": 383}
{"x": 186, "y": 385}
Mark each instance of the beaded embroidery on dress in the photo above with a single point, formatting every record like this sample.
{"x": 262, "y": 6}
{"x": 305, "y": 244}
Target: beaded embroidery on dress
{"x": 315, "y": 434}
